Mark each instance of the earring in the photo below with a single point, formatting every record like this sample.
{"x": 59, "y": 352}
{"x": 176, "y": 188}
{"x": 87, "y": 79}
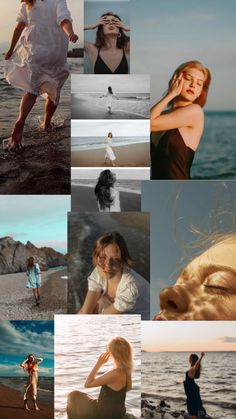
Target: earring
{"x": 119, "y": 35}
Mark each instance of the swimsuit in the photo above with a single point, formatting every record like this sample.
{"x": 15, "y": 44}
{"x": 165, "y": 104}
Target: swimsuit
{"x": 100, "y": 66}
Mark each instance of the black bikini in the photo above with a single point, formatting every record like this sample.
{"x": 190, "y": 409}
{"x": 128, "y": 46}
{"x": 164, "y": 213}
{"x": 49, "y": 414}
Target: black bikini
{"x": 171, "y": 158}
{"x": 111, "y": 403}
{"x": 100, "y": 66}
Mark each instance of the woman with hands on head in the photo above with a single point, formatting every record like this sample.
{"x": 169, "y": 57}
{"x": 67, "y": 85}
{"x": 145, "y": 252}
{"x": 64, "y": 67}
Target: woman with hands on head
{"x": 194, "y": 402}
{"x": 110, "y": 52}
{"x": 180, "y": 127}
{"x": 30, "y": 365}
{"x": 114, "y": 385}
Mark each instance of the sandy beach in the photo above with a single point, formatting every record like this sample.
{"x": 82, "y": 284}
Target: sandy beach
{"x": 17, "y": 302}
{"x": 83, "y": 199}
{"x": 132, "y": 155}
{"x": 11, "y": 406}
{"x": 42, "y": 166}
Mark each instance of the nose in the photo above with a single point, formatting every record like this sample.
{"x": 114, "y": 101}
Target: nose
{"x": 174, "y": 299}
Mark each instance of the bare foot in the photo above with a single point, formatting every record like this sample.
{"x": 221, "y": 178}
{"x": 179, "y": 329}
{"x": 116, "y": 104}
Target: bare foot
{"x": 47, "y": 128}
{"x": 25, "y": 405}
{"x": 15, "y": 142}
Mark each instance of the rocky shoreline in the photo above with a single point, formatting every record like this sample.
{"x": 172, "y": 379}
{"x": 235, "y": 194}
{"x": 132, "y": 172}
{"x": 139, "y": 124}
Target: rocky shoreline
{"x": 160, "y": 409}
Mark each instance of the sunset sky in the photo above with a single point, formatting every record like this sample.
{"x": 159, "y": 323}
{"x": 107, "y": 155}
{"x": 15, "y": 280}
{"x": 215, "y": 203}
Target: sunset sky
{"x": 190, "y": 336}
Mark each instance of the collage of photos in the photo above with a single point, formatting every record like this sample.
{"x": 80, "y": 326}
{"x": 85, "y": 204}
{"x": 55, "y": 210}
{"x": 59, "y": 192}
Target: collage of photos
{"x": 117, "y": 209}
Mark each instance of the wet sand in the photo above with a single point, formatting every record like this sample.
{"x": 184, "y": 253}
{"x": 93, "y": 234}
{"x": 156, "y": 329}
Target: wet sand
{"x": 132, "y": 155}
{"x": 83, "y": 199}
{"x": 11, "y": 406}
{"x": 42, "y": 166}
{"x": 17, "y": 301}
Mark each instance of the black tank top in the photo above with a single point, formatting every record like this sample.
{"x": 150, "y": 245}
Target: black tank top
{"x": 171, "y": 158}
{"x": 111, "y": 403}
{"x": 100, "y": 66}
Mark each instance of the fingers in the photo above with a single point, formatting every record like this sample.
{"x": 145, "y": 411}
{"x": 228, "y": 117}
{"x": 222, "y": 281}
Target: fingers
{"x": 74, "y": 38}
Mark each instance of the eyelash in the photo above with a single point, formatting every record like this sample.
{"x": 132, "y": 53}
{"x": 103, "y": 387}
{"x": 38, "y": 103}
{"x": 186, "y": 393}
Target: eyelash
{"x": 218, "y": 290}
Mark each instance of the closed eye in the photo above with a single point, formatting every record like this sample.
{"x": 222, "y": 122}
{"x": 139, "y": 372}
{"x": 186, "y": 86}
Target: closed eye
{"x": 217, "y": 289}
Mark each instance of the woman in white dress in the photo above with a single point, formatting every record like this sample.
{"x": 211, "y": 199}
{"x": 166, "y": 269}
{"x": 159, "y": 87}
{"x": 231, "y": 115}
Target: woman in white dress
{"x": 38, "y": 64}
{"x": 107, "y": 195}
{"x": 109, "y": 98}
{"x": 113, "y": 287}
{"x": 109, "y": 155}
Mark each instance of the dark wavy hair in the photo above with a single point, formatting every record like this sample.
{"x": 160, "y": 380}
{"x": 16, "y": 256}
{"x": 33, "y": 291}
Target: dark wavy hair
{"x": 193, "y": 359}
{"x": 121, "y": 42}
{"x": 103, "y": 187}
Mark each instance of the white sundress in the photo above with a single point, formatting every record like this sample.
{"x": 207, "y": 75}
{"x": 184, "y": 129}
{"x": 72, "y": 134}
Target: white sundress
{"x": 109, "y": 152}
{"x": 39, "y": 62}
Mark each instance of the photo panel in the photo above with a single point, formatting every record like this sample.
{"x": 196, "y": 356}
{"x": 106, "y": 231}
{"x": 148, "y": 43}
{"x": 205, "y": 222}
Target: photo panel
{"x": 185, "y": 369}
{"x": 110, "y": 96}
{"x": 102, "y": 143}
{"x": 122, "y": 189}
{"x": 107, "y": 36}
{"x": 193, "y": 245}
{"x": 33, "y": 262}
{"x": 27, "y": 369}
{"x": 80, "y": 343}
{"x": 108, "y": 263}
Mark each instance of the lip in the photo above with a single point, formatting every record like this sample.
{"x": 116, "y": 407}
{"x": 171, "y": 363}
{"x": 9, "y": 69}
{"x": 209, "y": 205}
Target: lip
{"x": 190, "y": 91}
{"x": 160, "y": 317}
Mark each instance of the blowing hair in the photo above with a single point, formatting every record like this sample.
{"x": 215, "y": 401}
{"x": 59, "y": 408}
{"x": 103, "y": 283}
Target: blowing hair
{"x": 30, "y": 262}
{"x": 201, "y": 100}
{"x": 103, "y": 187}
{"x": 122, "y": 40}
{"x": 111, "y": 238}
{"x": 122, "y": 354}
{"x": 110, "y": 90}
{"x": 193, "y": 359}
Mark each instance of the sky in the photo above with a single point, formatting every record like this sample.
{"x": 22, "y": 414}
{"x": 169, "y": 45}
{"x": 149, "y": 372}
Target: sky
{"x": 175, "y": 207}
{"x": 40, "y": 219}
{"x": 124, "y": 83}
{"x": 132, "y": 173}
{"x": 100, "y": 128}
{"x": 21, "y": 338}
{"x": 9, "y": 10}
{"x": 166, "y": 34}
{"x": 174, "y": 336}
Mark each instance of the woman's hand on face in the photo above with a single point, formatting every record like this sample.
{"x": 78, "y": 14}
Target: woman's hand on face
{"x": 8, "y": 55}
{"x": 177, "y": 85}
{"x": 103, "y": 358}
{"x": 121, "y": 25}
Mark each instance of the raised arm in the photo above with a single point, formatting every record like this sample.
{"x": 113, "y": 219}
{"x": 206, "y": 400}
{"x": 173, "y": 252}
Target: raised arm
{"x": 107, "y": 378}
{"x": 197, "y": 364}
{"x": 15, "y": 38}
{"x": 186, "y": 116}
{"x": 90, "y": 302}
{"x": 39, "y": 360}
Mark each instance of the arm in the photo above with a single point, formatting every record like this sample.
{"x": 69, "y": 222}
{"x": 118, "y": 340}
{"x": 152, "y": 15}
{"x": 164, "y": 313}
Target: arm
{"x": 197, "y": 365}
{"x": 39, "y": 360}
{"x": 15, "y": 38}
{"x": 90, "y": 302}
{"x": 107, "y": 378}
{"x": 186, "y": 116}
{"x": 111, "y": 310}
{"x": 67, "y": 27}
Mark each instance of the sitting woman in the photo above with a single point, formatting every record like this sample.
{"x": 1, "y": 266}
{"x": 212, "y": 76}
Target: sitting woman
{"x": 113, "y": 287}
{"x": 114, "y": 385}
{"x": 110, "y": 52}
{"x": 107, "y": 195}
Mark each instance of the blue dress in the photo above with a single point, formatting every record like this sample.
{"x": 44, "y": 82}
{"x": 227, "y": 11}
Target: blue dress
{"x": 34, "y": 277}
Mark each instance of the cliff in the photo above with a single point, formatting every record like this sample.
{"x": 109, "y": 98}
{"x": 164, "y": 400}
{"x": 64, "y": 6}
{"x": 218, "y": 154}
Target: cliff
{"x": 13, "y": 256}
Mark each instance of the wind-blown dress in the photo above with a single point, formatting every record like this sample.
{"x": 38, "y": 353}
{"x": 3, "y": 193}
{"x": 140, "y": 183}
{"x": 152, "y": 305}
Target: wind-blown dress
{"x": 109, "y": 154}
{"x": 38, "y": 64}
{"x": 34, "y": 277}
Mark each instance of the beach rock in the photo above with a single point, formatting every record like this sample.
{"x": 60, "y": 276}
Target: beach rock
{"x": 13, "y": 256}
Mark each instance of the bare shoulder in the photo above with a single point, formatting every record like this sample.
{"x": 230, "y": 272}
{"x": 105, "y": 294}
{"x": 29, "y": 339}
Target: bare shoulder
{"x": 196, "y": 110}
{"x": 90, "y": 46}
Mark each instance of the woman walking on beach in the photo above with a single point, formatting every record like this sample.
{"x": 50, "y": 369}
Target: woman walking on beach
{"x": 110, "y": 96}
{"x": 109, "y": 154}
{"x": 30, "y": 365}
{"x": 113, "y": 287}
{"x": 107, "y": 195}
{"x": 192, "y": 391}
{"x": 34, "y": 278}
{"x": 180, "y": 127}
{"x": 38, "y": 64}
{"x": 110, "y": 52}
{"x": 114, "y": 385}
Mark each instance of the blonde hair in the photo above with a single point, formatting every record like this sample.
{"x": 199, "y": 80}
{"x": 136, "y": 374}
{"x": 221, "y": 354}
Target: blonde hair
{"x": 122, "y": 353}
{"x": 201, "y": 100}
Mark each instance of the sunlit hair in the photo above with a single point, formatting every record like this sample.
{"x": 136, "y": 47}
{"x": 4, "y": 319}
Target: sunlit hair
{"x": 111, "y": 238}
{"x": 110, "y": 134}
{"x": 122, "y": 40}
{"x": 30, "y": 262}
{"x": 103, "y": 187}
{"x": 121, "y": 352}
{"x": 110, "y": 90}
{"x": 201, "y": 100}
{"x": 193, "y": 359}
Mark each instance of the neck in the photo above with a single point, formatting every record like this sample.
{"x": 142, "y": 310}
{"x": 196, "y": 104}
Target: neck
{"x": 111, "y": 42}
{"x": 179, "y": 102}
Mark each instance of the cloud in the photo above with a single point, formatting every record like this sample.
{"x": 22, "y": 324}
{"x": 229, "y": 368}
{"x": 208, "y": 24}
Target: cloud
{"x": 16, "y": 370}
{"x": 228, "y": 339}
{"x": 22, "y": 341}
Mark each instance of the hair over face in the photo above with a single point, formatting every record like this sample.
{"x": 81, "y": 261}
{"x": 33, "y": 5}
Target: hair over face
{"x": 111, "y": 238}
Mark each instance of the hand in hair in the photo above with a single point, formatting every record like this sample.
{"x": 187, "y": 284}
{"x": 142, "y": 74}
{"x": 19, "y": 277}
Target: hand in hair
{"x": 176, "y": 85}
